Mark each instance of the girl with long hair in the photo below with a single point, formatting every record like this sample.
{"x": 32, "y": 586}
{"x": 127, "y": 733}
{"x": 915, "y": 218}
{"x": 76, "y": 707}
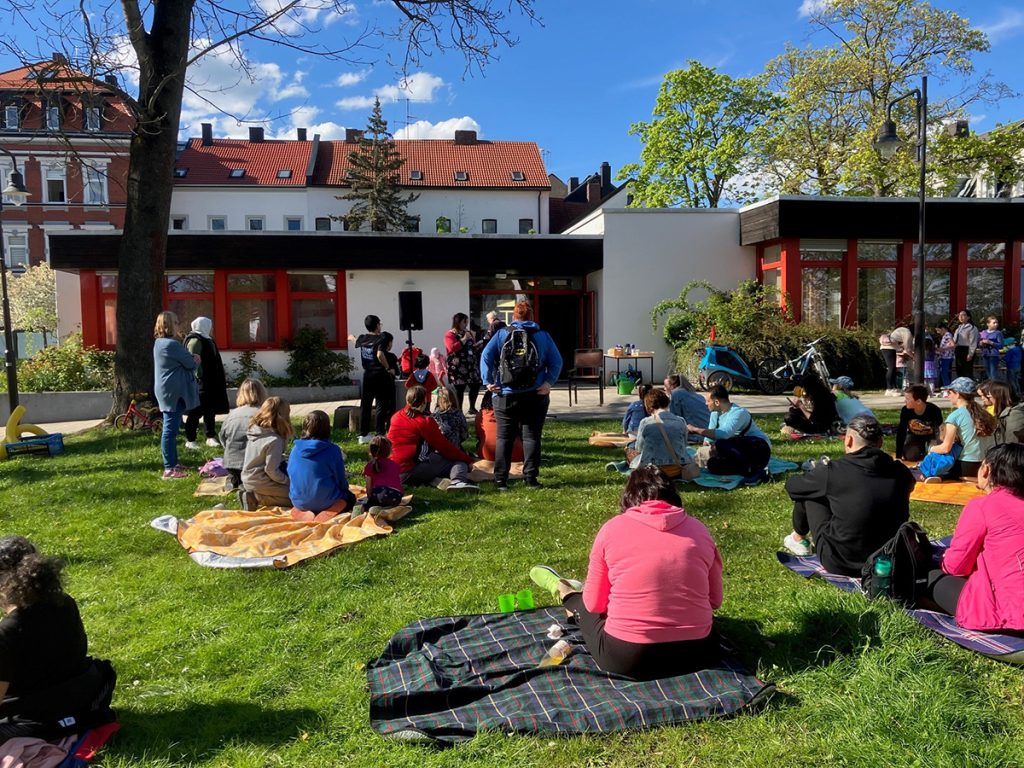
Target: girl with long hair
{"x": 174, "y": 387}
{"x": 264, "y": 472}
{"x": 970, "y": 425}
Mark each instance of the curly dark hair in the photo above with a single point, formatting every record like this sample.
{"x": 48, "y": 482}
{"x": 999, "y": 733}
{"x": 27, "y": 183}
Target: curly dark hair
{"x": 12, "y": 549}
{"x": 33, "y": 579}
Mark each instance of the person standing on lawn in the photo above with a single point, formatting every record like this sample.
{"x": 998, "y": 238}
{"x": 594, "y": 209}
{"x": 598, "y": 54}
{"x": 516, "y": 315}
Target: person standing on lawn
{"x": 463, "y": 370}
{"x": 378, "y": 383}
{"x": 519, "y": 366}
{"x": 965, "y": 344}
{"x": 213, "y": 388}
{"x": 991, "y": 342}
{"x": 174, "y": 387}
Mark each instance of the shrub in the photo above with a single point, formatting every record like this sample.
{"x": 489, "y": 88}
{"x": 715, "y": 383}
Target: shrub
{"x": 67, "y": 367}
{"x": 750, "y": 321}
{"x": 311, "y": 363}
{"x": 248, "y": 367}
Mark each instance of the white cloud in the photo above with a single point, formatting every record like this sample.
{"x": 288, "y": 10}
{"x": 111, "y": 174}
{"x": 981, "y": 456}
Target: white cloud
{"x": 811, "y": 7}
{"x": 424, "y": 129}
{"x": 306, "y": 16}
{"x": 305, "y": 117}
{"x": 419, "y": 87}
{"x": 355, "y": 102}
{"x": 346, "y": 79}
{"x": 1009, "y": 24}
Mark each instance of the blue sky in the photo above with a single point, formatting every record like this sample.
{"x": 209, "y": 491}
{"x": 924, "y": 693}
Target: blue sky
{"x": 573, "y": 84}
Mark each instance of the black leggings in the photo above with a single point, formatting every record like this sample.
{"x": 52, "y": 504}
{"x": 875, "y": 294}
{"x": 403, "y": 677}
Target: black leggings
{"x": 889, "y": 356}
{"x": 964, "y": 367}
{"x": 962, "y": 469}
{"x": 944, "y": 590}
{"x": 192, "y": 423}
{"x": 474, "y": 390}
{"x": 378, "y": 387}
{"x": 642, "y": 661}
{"x": 740, "y": 456}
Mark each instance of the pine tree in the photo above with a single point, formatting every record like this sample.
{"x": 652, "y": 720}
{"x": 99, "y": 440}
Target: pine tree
{"x": 374, "y": 176}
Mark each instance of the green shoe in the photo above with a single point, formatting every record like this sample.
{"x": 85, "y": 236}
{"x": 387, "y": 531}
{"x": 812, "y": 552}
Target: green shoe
{"x": 547, "y": 578}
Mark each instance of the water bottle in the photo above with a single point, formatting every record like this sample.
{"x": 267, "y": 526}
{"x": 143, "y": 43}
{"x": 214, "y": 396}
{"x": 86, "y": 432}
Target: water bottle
{"x": 556, "y": 654}
{"x": 881, "y": 582}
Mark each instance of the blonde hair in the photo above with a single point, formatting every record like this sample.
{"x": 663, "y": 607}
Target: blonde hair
{"x": 415, "y": 401}
{"x": 251, "y": 392}
{"x": 445, "y": 399}
{"x": 274, "y": 414}
{"x": 166, "y": 326}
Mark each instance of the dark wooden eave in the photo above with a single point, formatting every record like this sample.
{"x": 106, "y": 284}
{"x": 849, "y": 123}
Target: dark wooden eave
{"x": 523, "y": 254}
{"x": 844, "y": 218}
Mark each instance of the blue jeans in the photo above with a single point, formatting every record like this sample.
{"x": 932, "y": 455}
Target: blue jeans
{"x": 992, "y": 366}
{"x": 169, "y": 437}
{"x": 945, "y": 371}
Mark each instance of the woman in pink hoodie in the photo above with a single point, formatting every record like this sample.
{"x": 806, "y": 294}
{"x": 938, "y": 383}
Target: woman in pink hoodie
{"x": 654, "y": 579}
{"x": 982, "y": 579}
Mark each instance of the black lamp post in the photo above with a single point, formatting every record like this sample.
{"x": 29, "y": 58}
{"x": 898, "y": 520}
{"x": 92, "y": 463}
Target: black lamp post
{"x": 887, "y": 143}
{"x": 17, "y": 194}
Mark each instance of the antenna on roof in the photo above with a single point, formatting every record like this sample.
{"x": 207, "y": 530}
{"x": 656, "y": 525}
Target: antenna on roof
{"x": 409, "y": 117}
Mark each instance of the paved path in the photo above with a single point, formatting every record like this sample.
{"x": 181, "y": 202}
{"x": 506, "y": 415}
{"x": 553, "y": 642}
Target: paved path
{"x": 588, "y": 408}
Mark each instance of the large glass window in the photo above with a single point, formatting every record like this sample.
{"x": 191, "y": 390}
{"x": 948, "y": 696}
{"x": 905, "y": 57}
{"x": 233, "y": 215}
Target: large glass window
{"x": 253, "y": 310}
{"x": 986, "y": 252}
{"x": 935, "y": 252}
{"x": 876, "y": 298}
{"x": 190, "y": 296}
{"x": 193, "y": 283}
{"x": 820, "y": 296}
{"x": 822, "y": 250}
{"x": 985, "y": 292}
{"x": 877, "y": 250}
{"x": 936, "y": 294}
{"x": 94, "y": 186}
{"x": 771, "y": 254}
{"x": 314, "y": 302}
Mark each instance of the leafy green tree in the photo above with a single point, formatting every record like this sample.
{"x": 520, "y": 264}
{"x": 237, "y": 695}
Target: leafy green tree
{"x": 33, "y": 299}
{"x": 836, "y": 96}
{"x": 703, "y": 126}
{"x": 374, "y": 177}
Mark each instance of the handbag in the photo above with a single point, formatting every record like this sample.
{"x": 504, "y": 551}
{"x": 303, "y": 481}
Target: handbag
{"x": 671, "y": 471}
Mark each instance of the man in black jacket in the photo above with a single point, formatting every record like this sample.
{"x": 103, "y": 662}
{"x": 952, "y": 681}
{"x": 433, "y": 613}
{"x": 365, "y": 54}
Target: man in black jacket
{"x": 850, "y": 506}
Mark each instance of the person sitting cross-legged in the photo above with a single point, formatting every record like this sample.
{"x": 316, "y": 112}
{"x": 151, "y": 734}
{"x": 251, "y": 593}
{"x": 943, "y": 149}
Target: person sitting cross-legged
{"x": 653, "y": 583}
{"x": 686, "y": 402}
{"x": 850, "y": 506}
{"x": 661, "y": 441}
{"x": 737, "y": 446}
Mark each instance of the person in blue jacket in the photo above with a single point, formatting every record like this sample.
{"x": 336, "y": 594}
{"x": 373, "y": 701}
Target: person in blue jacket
{"x": 174, "y": 387}
{"x": 687, "y": 403}
{"x": 521, "y": 377}
{"x": 317, "y": 482}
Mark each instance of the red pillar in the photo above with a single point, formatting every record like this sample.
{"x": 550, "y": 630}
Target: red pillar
{"x": 848, "y": 285}
{"x": 789, "y": 277}
{"x": 284, "y": 309}
{"x": 342, "y": 309}
{"x": 221, "y": 321}
{"x": 92, "y": 334}
{"x": 958, "y": 277}
{"x": 759, "y": 265}
{"x": 1011, "y": 284}
{"x": 904, "y": 280}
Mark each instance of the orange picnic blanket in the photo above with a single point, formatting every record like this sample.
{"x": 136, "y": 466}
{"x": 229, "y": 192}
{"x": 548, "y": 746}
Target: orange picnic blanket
{"x": 482, "y": 471}
{"x": 957, "y": 492}
{"x": 610, "y": 439}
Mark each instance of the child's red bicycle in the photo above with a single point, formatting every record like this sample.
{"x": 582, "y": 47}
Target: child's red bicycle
{"x": 139, "y": 418}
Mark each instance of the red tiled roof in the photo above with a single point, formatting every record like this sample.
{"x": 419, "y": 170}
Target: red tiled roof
{"x": 47, "y": 76}
{"x": 488, "y": 164}
{"x": 261, "y": 161}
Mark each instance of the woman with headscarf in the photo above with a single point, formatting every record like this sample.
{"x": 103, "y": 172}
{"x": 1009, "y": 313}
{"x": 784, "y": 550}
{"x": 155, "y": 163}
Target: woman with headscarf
{"x": 213, "y": 394}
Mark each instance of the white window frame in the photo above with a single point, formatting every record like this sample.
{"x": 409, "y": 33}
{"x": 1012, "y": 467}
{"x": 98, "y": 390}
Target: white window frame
{"x": 9, "y": 110}
{"x": 211, "y": 219}
{"x": 14, "y": 260}
{"x": 94, "y": 176}
{"x": 53, "y": 116}
{"x": 92, "y": 119}
{"x": 293, "y": 218}
{"x": 250, "y": 220}
{"x": 55, "y": 173}
{"x": 184, "y": 222}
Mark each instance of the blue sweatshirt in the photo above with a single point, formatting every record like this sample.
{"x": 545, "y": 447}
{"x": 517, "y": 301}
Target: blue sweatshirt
{"x": 634, "y": 415}
{"x": 316, "y": 475}
{"x": 549, "y": 358}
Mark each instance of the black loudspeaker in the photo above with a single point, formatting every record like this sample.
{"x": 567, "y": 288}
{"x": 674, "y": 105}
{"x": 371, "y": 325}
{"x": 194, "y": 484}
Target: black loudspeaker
{"x": 410, "y": 310}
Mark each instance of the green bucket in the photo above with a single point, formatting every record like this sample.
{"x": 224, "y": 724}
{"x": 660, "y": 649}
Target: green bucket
{"x": 626, "y": 386}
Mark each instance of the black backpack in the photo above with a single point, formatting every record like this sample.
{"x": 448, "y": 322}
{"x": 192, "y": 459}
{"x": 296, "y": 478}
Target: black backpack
{"x": 910, "y": 552}
{"x": 519, "y": 362}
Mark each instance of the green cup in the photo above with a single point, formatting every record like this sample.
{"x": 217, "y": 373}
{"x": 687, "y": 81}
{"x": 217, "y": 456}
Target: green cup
{"x": 507, "y": 603}
{"x": 525, "y": 599}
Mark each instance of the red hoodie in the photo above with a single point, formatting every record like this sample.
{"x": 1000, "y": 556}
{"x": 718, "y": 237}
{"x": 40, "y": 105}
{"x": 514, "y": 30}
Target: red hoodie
{"x": 656, "y": 572}
{"x": 407, "y": 433}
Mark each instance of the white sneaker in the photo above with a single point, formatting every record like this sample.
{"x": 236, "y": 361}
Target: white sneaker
{"x": 365, "y": 439}
{"x": 458, "y": 485}
{"x": 192, "y": 445}
{"x": 800, "y": 547}
{"x": 212, "y": 442}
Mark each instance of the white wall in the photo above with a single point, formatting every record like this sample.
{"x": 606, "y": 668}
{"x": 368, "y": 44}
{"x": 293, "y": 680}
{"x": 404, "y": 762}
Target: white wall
{"x": 649, "y": 255}
{"x": 273, "y": 203}
{"x": 69, "y": 303}
{"x": 375, "y": 292}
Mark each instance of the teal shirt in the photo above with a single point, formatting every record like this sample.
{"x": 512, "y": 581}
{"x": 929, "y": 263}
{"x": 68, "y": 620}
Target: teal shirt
{"x": 975, "y": 447}
{"x": 732, "y": 423}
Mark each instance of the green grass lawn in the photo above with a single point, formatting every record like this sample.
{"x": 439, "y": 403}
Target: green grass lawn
{"x": 230, "y": 668}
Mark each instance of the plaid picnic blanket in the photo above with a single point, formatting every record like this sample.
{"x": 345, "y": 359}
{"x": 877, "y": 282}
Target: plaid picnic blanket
{"x": 1001, "y": 647}
{"x": 447, "y": 678}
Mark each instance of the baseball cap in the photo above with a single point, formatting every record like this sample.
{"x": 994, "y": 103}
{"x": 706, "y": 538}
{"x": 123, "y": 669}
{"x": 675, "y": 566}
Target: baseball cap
{"x": 962, "y": 385}
{"x": 843, "y": 381}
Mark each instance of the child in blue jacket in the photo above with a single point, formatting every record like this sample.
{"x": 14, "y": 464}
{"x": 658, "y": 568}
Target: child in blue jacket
{"x": 318, "y": 484}
{"x": 1012, "y": 358}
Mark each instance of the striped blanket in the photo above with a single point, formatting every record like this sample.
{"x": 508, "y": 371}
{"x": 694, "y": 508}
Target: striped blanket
{"x": 1001, "y": 647}
{"x": 444, "y": 679}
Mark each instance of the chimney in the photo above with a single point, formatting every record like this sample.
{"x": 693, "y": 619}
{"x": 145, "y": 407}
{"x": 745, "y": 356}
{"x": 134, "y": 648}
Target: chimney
{"x": 207, "y": 134}
{"x": 300, "y": 134}
{"x": 606, "y": 177}
{"x": 594, "y": 189}
{"x": 59, "y": 58}
{"x": 353, "y": 135}
{"x": 574, "y": 181}
{"x": 958, "y": 129}
{"x": 465, "y": 137}
{"x": 111, "y": 80}
{"x": 255, "y": 134}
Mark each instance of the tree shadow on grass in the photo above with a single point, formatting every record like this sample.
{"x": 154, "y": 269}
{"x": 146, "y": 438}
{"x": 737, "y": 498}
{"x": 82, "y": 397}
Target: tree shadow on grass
{"x": 822, "y": 636}
{"x": 195, "y": 732}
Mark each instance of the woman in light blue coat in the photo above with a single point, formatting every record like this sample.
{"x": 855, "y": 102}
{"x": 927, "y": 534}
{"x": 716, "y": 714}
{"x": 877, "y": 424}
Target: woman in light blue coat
{"x": 175, "y": 388}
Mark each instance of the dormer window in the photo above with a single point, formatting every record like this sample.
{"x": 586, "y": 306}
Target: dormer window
{"x": 92, "y": 119}
{"x": 236, "y": 173}
{"x": 415, "y": 175}
{"x": 518, "y": 176}
{"x": 284, "y": 173}
{"x": 53, "y": 118}
{"x": 180, "y": 173}
{"x": 11, "y": 117}
{"x": 461, "y": 176}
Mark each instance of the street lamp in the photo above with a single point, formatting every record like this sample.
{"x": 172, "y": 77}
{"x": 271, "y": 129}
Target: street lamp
{"x": 887, "y": 143}
{"x": 17, "y": 194}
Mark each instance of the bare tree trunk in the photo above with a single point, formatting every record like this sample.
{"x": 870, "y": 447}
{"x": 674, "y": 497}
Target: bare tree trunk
{"x": 142, "y": 254}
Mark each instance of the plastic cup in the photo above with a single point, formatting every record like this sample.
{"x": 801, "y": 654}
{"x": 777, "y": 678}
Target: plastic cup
{"x": 525, "y": 599}
{"x": 507, "y": 603}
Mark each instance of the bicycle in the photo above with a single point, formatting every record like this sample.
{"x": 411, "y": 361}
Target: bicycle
{"x": 139, "y": 418}
{"x": 775, "y": 375}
